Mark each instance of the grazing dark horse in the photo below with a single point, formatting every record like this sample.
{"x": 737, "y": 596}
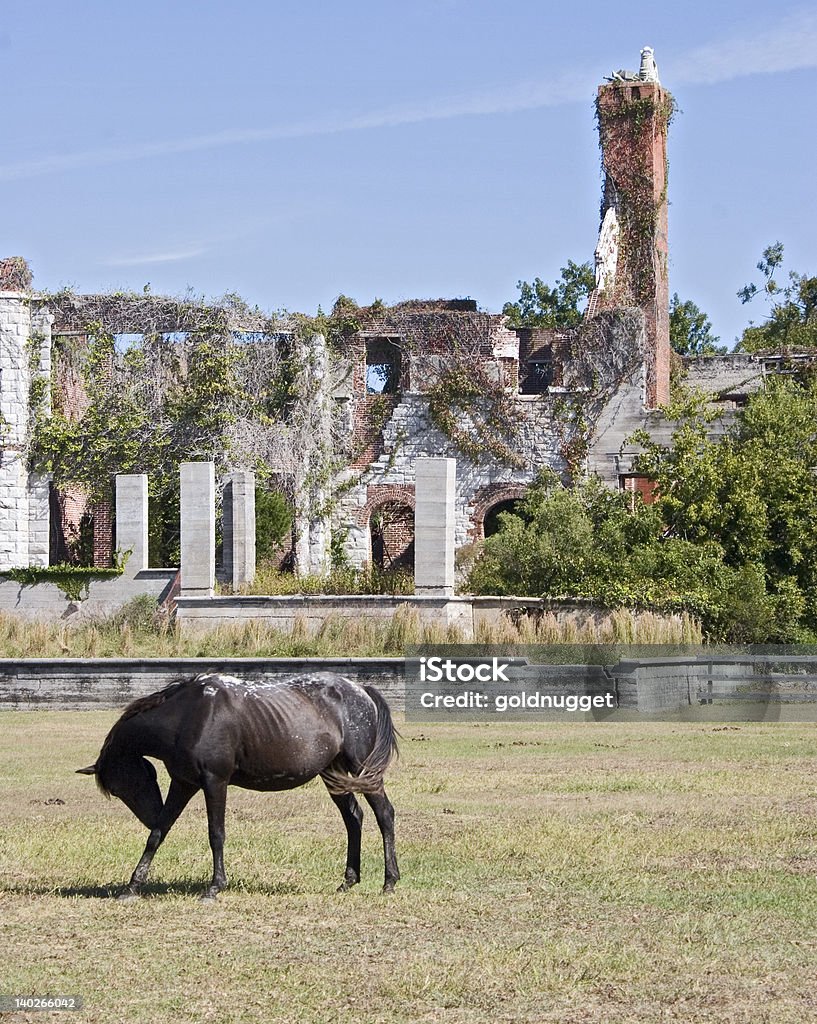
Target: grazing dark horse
{"x": 216, "y": 731}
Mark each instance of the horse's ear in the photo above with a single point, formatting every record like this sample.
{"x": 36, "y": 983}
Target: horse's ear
{"x": 90, "y": 770}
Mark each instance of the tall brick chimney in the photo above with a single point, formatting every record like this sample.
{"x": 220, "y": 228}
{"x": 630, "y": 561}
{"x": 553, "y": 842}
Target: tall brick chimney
{"x": 631, "y": 258}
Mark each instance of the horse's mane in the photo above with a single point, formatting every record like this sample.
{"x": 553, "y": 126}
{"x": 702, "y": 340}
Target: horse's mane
{"x": 136, "y": 707}
{"x": 151, "y": 701}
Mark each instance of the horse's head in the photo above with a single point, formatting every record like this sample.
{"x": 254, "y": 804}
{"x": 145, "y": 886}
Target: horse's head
{"x": 133, "y": 780}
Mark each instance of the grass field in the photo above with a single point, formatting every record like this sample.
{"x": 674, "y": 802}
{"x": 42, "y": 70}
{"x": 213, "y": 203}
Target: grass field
{"x": 578, "y": 873}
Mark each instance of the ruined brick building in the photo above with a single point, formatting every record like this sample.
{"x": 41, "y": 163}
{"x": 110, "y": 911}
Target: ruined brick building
{"x": 433, "y": 378}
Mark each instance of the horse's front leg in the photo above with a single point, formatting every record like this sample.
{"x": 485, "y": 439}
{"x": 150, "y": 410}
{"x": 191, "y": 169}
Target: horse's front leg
{"x": 178, "y": 797}
{"x": 215, "y": 797}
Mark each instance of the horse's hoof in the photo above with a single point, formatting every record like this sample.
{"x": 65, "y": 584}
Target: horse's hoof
{"x": 388, "y": 888}
{"x": 346, "y": 885}
{"x": 127, "y": 896}
{"x": 208, "y": 897}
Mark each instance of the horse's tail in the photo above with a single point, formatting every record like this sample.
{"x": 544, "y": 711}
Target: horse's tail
{"x": 370, "y": 777}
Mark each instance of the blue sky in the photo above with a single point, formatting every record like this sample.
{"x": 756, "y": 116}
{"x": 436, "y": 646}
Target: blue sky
{"x": 291, "y": 151}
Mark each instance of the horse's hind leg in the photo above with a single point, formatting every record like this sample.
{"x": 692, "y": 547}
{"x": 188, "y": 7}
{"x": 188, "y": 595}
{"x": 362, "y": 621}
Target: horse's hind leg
{"x": 384, "y": 812}
{"x": 353, "y": 820}
{"x": 178, "y": 797}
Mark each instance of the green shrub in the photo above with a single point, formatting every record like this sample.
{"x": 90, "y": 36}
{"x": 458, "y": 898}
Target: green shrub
{"x": 273, "y": 522}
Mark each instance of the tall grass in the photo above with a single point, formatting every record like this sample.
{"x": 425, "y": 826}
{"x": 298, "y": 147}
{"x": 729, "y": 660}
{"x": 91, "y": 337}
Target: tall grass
{"x": 620, "y": 626}
{"x": 370, "y": 580}
{"x": 138, "y": 630}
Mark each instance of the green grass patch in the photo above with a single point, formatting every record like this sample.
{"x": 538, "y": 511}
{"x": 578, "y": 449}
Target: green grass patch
{"x": 577, "y": 873}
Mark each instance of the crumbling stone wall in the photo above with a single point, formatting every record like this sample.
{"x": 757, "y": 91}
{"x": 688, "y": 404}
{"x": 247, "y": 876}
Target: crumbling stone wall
{"x": 434, "y": 378}
{"x": 543, "y": 427}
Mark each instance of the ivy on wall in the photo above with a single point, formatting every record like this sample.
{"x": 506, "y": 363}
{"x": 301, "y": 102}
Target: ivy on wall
{"x": 627, "y": 127}
{"x": 73, "y": 580}
{"x": 476, "y": 414}
{"x": 190, "y": 384}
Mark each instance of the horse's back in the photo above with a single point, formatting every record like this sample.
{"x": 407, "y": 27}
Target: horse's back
{"x": 276, "y": 733}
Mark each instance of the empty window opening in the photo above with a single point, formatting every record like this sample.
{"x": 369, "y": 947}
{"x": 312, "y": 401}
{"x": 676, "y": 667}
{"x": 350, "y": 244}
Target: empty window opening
{"x": 124, "y": 342}
{"x": 382, "y": 368}
{"x": 537, "y": 376}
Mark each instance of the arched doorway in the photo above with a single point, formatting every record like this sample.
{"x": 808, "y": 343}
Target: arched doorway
{"x": 489, "y": 502}
{"x": 490, "y": 524}
{"x": 391, "y": 527}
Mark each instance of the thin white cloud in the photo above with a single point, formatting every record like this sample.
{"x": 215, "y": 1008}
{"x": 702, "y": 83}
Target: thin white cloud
{"x": 168, "y": 256}
{"x": 789, "y": 46}
{"x": 522, "y": 96}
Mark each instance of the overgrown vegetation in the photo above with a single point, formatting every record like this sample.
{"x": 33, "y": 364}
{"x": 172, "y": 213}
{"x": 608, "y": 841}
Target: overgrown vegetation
{"x": 731, "y": 537}
{"x": 273, "y": 522}
{"x": 476, "y": 414}
{"x": 72, "y": 580}
{"x": 144, "y": 383}
{"x": 627, "y": 127}
{"x": 690, "y": 330}
{"x": 341, "y": 580}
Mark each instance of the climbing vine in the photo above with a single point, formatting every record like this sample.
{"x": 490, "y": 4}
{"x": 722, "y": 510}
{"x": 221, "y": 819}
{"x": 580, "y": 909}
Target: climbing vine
{"x": 73, "y": 580}
{"x": 141, "y": 383}
{"x": 627, "y": 128}
{"x": 475, "y": 414}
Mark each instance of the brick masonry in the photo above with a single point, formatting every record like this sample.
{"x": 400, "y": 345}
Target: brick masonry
{"x": 634, "y": 112}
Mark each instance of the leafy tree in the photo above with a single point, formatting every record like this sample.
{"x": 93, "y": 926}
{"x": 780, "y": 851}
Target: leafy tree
{"x": 731, "y": 537}
{"x": 540, "y": 305}
{"x": 690, "y": 330}
{"x": 753, "y": 492}
{"x": 791, "y": 324}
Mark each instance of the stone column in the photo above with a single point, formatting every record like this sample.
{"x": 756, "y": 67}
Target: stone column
{"x": 25, "y": 354}
{"x": 313, "y": 530}
{"x": 434, "y": 491}
{"x": 239, "y": 528}
{"x": 198, "y": 528}
{"x": 39, "y": 518}
{"x": 132, "y": 520}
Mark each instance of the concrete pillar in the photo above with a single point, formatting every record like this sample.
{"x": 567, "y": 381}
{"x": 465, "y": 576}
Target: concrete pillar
{"x": 198, "y": 528}
{"x": 434, "y": 491}
{"x": 39, "y": 518}
{"x": 132, "y": 520}
{"x": 313, "y": 529}
{"x": 239, "y": 528}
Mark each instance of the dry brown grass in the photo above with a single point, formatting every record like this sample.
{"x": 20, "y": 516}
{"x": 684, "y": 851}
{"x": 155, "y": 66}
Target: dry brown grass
{"x": 137, "y": 631}
{"x": 573, "y": 874}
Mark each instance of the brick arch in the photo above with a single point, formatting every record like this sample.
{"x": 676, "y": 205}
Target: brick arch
{"x": 382, "y": 494}
{"x": 486, "y": 498}
{"x": 391, "y": 541}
